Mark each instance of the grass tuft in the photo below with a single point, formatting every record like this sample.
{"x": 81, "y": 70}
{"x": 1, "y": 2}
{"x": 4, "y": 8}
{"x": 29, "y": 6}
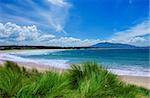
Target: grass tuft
{"x": 85, "y": 80}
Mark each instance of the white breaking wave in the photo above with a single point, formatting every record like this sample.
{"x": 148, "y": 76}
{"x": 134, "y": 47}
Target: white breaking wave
{"x": 133, "y": 72}
{"x": 52, "y": 63}
{"x": 35, "y": 52}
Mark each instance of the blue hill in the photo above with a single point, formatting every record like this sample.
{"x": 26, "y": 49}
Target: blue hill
{"x": 114, "y": 45}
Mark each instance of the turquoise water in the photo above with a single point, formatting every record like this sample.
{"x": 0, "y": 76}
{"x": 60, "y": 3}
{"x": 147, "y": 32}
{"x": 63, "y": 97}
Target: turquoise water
{"x": 122, "y": 59}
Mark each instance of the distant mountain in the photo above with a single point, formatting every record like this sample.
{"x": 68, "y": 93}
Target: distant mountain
{"x": 114, "y": 45}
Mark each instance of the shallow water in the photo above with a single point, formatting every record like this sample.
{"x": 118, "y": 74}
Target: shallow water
{"x": 120, "y": 61}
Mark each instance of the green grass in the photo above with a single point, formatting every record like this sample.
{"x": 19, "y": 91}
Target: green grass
{"x": 85, "y": 80}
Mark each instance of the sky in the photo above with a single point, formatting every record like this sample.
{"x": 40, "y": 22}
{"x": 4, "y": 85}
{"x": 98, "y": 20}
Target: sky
{"x": 74, "y": 22}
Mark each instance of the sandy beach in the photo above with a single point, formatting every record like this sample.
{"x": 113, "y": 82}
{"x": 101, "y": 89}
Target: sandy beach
{"x": 136, "y": 80}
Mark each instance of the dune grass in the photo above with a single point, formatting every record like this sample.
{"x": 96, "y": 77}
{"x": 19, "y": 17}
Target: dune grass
{"x": 85, "y": 80}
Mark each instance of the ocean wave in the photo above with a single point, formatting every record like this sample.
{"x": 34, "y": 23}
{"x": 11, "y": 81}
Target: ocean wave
{"x": 131, "y": 72}
{"x": 52, "y": 63}
{"x": 34, "y": 52}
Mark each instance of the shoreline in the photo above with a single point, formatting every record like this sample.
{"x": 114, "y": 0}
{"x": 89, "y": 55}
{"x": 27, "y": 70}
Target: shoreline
{"x": 60, "y": 63}
{"x": 142, "y": 81}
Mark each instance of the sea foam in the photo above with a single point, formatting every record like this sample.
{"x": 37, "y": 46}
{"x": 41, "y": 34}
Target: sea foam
{"x": 34, "y": 52}
{"x": 133, "y": 72}
{"x": 15, "y": 58}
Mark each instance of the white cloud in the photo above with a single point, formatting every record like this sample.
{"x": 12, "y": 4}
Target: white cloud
{"x": 59, "y": 14}
{"x": 70, "y": 41}
{"x": 134, "y": 35}
{"x": 45, "y": 37}
{"x": 60, "y": 3}
{"x": 12, "y": 34}
{"x": 15, "y": 34}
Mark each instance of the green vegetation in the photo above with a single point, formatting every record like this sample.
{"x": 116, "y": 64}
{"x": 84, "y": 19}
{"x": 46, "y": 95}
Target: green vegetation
{"x": 86, "y": 80}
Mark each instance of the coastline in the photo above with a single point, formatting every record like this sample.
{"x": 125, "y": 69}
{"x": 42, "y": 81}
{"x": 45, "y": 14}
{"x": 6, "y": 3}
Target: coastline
{"x": 142, "y": 81}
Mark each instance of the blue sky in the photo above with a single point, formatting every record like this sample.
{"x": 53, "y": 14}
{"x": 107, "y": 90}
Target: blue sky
{"x": 74, "y": 22}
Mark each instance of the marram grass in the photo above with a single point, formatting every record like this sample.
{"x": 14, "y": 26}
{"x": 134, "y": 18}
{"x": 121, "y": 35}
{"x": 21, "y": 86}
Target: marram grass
{"x": 85, "y": 80}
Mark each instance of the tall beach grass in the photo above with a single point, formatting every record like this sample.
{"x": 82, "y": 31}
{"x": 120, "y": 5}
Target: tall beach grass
{"x": 85, "y": 80}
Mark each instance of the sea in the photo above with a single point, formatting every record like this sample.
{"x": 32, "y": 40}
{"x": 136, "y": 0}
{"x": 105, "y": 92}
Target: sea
{"x": 135, "y": 62}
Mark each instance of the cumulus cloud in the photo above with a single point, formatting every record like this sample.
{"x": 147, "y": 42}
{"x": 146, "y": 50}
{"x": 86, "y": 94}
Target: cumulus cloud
{"x": 137, "y": 35}
{"x": 70, "y": 41}
{"x": 51, "y": 14}
{"x": 12, "y": 33}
